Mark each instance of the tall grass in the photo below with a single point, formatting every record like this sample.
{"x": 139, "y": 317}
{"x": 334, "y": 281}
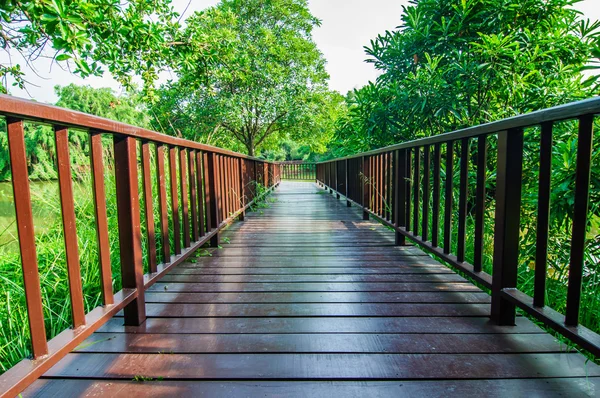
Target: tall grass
{"x": 14, "y": 333}
{"x": 14, "y": 329}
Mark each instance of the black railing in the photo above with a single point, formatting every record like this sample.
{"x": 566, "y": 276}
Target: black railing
{"x": 406, "y": 185}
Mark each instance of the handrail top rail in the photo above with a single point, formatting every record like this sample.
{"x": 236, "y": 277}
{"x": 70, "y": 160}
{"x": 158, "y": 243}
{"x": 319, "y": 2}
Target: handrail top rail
{"x": 50, "y": 114}
{"x": 568, "y": 111}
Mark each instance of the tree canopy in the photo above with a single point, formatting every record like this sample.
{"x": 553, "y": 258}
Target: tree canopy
{"x": 458, "y": 63}
{"x": 269, "y": 82}
{"x": 130, "y": 38}
{"x": 126, "y": 108}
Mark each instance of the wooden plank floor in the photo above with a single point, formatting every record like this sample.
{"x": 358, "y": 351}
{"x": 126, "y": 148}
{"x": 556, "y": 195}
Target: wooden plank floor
{"x": 306, "y": 299}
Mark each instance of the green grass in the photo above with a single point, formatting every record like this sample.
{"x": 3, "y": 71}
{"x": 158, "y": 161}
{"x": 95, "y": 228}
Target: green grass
{"x": 14, "y": 330}
{"x": 14, "y": 333}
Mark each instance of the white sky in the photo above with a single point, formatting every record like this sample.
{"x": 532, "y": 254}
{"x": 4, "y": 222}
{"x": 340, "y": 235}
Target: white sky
{"x": 347, "y": 26}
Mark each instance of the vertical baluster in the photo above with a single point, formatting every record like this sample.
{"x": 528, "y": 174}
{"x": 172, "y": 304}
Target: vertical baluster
{"x": 242, "y": 188}
{"x": 266, "y": 175}
{"x": 235, "y": 185}
{"x": 331, "y": 177}
{"x": 417, "y": 190}
{"x": 238, "y": 179}
{"x": 348, "y": 190}
{"x": 183, "y": 181}
{"x": 448, "y": 198}
{"x": 162, "y": 203}
{"x": 371, "y": 182}
{"x": 480, "y": 202}
{"x": 435, "y": 214}
{"x": 61, "y": 139}
{"x": 148, "y": 206}
{"x": 97, "y": 167}
{"x": 24, "y": 215}
{"x": 337, "y": 180}
{"x": 408, "y": 174}
{"x": 193, "y": 208}
{"x": 400, "y": 195}
{"x": 507, "y": 223}
{"x": 426, "y": 172}
{"x": 380, "y": 186}
{"x": 219, "y": 187}
{"x": 386, "y": 176}
{"x": 229, "y": 186}
{"x": 220, "y": 173}
{"x": 207, "y": 168}
{"x": 202, "y": 221}
{"x": 392, "y": 214}
{"x": 377, "y": 186}
{"x": 225, "y": 187}
{"x": 128, "y": 211}
{"x": 384, "y": 186}
{"x": 544, "y": 185}
{"x": 582, "y": 192}
{"x": 211, "y": 178}
{"x": 232, "y": 187}
{"x": 462, "y": 199}
{"x": 349, "y": 182}
{"x": 365, "y": 187}
{"x": 174, "y": 200}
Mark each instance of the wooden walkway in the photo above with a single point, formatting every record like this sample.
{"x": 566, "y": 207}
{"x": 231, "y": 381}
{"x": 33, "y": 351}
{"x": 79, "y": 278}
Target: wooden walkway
{"x": 306, "y": 299}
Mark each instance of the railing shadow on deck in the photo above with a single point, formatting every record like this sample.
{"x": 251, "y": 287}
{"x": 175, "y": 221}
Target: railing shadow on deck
{"x": 213, "y": 188}
{"x": 405, "y": 186}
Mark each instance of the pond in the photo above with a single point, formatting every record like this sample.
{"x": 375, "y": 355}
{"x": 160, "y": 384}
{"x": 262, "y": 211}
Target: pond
{"x": 45, "y": 204}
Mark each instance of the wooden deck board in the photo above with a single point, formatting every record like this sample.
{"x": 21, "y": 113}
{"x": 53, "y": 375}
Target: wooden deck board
{"x": 495, "y": 388}
{"x": 307, "y": 299}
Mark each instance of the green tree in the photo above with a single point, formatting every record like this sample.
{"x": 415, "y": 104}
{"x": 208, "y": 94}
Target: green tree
{"x": 269, "y": 82}
{"x": 39, "y": 139}
{"x": 127, "y": 108}
{"x": 134, "y": 37}
{"x": 460, "y": 63}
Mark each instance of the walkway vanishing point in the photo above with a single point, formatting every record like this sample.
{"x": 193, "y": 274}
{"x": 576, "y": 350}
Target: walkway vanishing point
{"x": 306, "y": 299}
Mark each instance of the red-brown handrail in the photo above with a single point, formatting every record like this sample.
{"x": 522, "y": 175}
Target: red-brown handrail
{"x": 215, "y": 186}
{"x": 393, "y": 185}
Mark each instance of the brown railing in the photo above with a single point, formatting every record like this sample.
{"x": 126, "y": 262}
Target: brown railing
{"x": 214, "y": 187}
{"x": 401, "y": 185}
{"x": 298, "y": 170}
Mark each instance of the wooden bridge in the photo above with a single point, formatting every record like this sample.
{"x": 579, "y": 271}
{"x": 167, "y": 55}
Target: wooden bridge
{"x": 320, "y": 292}
{"x": 308, "y": 299}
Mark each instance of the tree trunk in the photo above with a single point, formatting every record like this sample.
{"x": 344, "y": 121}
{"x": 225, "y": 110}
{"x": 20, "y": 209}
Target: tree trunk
{"x": 250, "y": 147}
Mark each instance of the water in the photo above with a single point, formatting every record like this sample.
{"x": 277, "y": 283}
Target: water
{"x": 45, "y": 205}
